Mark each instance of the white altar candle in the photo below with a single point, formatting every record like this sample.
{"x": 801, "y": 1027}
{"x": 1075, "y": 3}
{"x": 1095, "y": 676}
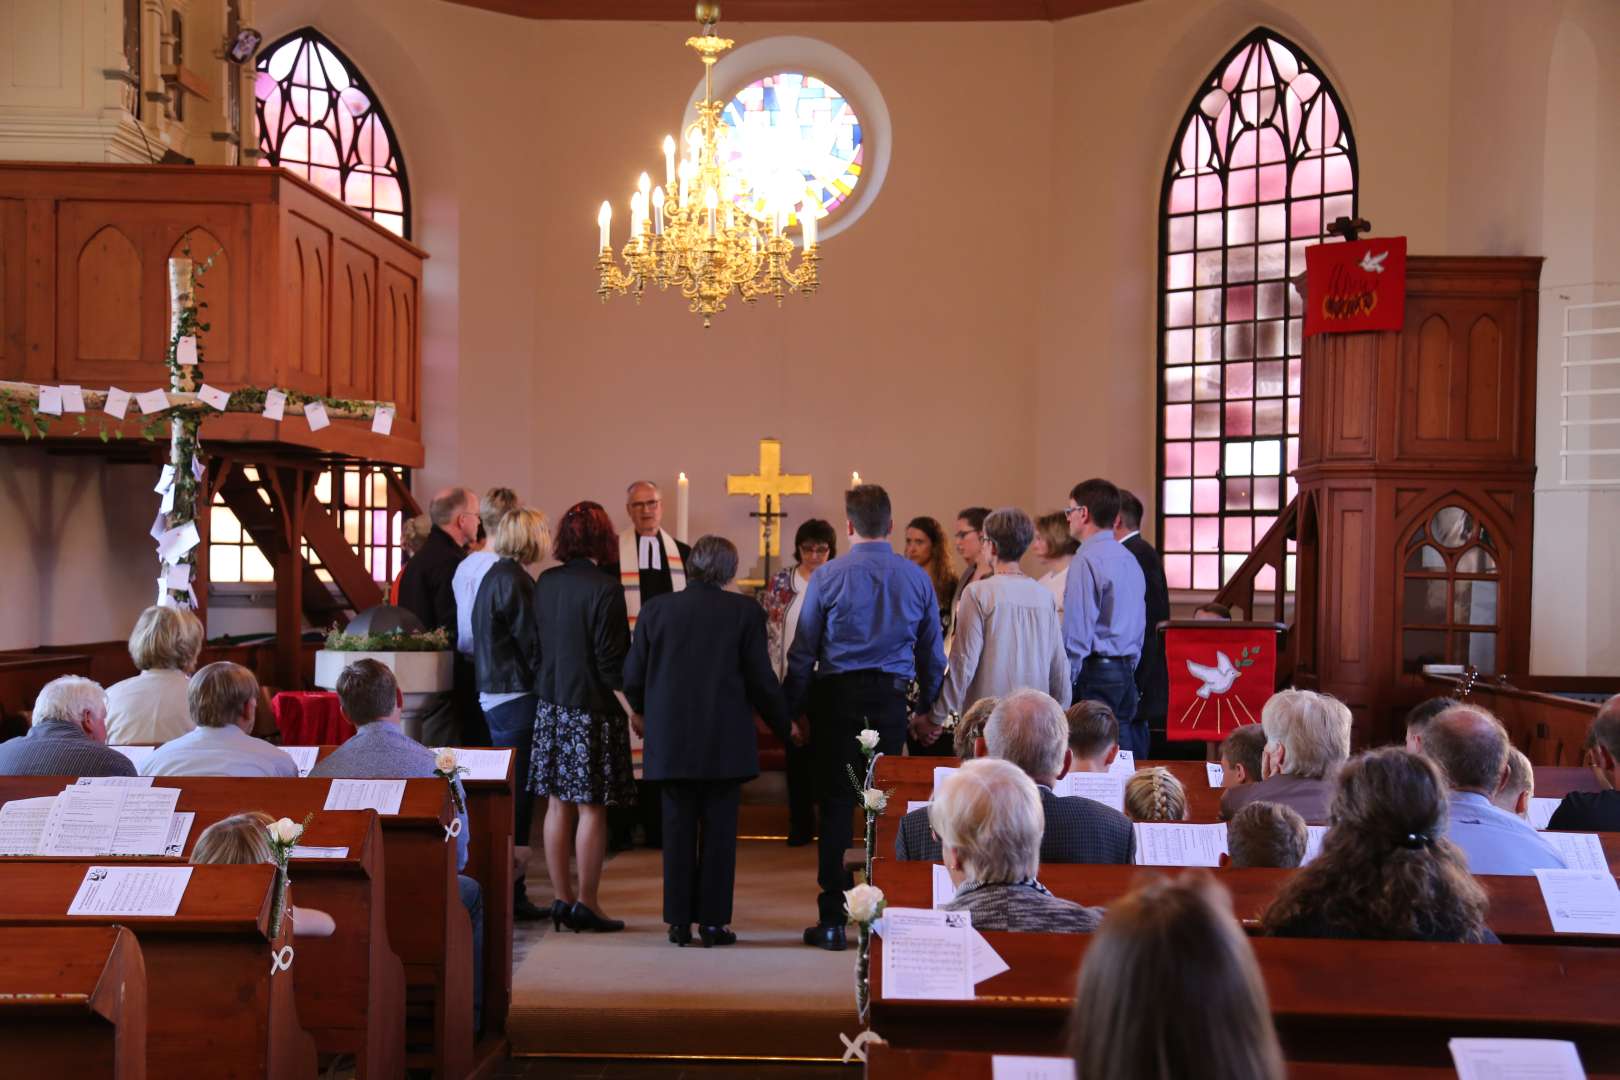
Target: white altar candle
{"x": 855, "y": 479}
{"x": 681, "y": 491}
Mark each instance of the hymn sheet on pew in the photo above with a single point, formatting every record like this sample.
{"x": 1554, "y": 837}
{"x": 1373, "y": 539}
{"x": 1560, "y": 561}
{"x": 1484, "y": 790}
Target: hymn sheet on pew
{"x": 22, "y": 821}
{"x": 303, "y": 756}
{"x": 131, "y": 890}
{"x": 383, "y": 796}
{"x": 1170, "y": 844}
{"x": 1107, "y": 788}
{"x": 114, "y": 781}
{"x": 1124, "y": 763}
{"x": 1581, "y": 901}
{"x": 137, "y": 754}
{"x": 1580, "y": 851}
{"x": 1216, "y": 774}
{"x": 1010, "y": 1067}
{"x": 1541, "y": 811}
{"x": 1516, "y": 1059}
{"x": 940, "y": 773}
{"x": 914, "y": 805}
{"x": 299, "y": 851}
{"x": 481, "y": 764}
{"x": 935, "y": 955}
{"x": 944, "y": 887}
{"x": 1313, "y": 842}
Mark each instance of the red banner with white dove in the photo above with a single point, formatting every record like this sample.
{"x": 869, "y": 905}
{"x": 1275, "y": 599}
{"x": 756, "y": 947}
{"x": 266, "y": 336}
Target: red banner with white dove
{"x": 1220, "y": 677}
{"x": 1356, "y": 286}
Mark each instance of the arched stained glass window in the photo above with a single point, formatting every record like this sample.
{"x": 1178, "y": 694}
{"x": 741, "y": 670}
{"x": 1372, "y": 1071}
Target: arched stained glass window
{"x": 798, "y": 140}
{"x": 1263, "y": 162}
{"x": 319, "y": 119}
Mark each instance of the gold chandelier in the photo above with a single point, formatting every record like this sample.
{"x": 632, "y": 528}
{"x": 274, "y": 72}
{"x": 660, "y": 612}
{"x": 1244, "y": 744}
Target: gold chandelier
{"x": 692, "y": 234}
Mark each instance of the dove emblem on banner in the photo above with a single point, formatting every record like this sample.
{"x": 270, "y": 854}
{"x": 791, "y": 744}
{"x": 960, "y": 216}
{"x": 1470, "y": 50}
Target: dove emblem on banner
{"x": 1217, "y": 679}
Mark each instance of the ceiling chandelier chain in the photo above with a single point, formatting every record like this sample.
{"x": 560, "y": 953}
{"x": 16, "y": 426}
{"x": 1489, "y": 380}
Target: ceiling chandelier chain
{"x": 690, "y": 232}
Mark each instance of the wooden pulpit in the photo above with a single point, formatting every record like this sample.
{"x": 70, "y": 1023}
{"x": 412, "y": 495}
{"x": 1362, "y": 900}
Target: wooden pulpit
{"x": 1416, "y": 474}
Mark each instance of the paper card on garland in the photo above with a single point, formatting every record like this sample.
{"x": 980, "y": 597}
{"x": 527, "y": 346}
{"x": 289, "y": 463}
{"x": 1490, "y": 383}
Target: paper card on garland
{"x": 275, "y": 404}
{"x": 165, "y": 480}
{"x": 315, "y": 413}
{"x": 185, "y": 351}
{"x": 213, "y": 395}
{"x": 50, "y": 401}
{"x": 382, "y": 421}
{"x": 1355, "y": 286}
{"x": 73, "y": 399}
{"x": 152, "y": 401}
{"x": 117, "y": 403}
{"x": 179, "y": 576}
{"x": 173, "y": 544}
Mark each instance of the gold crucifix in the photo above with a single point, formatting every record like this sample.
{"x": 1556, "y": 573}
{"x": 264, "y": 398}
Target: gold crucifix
{"x": 769, "y": 484}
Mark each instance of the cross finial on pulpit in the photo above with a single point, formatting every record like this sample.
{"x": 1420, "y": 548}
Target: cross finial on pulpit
{"x": 1349, "y": 228}
{"x": 769, "y": 485}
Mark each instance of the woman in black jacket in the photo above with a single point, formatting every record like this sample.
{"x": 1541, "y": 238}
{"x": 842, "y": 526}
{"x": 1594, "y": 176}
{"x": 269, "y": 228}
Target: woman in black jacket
{"x": 581, "y": 735}
{"x": 698, "y": 671}
{"x": 506, "y": 653}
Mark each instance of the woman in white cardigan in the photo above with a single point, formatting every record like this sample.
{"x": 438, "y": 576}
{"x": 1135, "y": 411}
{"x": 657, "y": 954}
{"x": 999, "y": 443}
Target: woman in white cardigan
{"x": 151, "y": 707}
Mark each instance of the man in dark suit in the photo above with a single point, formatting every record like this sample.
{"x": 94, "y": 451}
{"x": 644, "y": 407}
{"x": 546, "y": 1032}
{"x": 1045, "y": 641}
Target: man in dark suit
{"x": 1029, "y": 730}
{"x": 1597, "y": 811}
{"x": 425, "y": 591}
{"x": 697, "y": 672}
{"x": 1152, "y": 678}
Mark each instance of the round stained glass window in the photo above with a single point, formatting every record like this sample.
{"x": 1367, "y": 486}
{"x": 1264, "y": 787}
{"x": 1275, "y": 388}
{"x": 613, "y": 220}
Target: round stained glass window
{"x": 792, "y": 139}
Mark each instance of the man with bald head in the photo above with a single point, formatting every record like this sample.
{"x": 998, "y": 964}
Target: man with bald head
{"x": 1029, "y": 729}
{"x": 427, "y": 590}
{"x": 1471, "y": 748}
{"x": 651, "y": 562}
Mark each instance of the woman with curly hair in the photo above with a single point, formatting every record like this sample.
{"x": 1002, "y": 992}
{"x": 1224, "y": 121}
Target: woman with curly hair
{"x": 1386, "y": 869}
{"x": 1155, "y": 795}
{"x": 925, "y": 546}
{"x": 581, "y": 736}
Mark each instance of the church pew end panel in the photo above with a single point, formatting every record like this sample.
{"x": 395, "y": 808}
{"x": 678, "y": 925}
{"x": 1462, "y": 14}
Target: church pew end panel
{"x": 73, "y": 1002}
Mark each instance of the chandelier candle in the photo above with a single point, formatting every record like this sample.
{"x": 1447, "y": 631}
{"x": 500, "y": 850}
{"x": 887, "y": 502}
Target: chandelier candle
{"x": 681, "y": 236}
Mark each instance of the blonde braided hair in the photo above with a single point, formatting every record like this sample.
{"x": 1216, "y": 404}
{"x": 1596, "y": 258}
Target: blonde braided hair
{"x": 1155, "y": 795}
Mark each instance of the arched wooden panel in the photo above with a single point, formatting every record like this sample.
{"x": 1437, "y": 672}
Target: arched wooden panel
{"x": 110, "y": 284}
{"x": 215, "y": 291}
{"x": 314, "y": 304}
{"x": 1433, "y": 371}
{"x": 292, "y": 305}
{"x": 354, "y": 315}
{"x": 1485, "y": 381}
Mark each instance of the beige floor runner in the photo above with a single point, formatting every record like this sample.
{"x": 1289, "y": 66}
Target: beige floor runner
{"x": 633, "y": 994}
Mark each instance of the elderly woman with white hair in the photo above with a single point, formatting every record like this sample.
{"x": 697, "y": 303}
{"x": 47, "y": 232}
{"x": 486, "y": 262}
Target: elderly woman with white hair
{"x": 67, "y": 736}
{"x": 989, "y": 820}
{"x": 151, "y": 707}
{"x": 1307, "y": 740}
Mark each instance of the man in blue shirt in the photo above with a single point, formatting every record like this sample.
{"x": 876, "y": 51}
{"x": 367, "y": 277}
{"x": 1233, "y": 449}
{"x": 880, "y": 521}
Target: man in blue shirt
{"x": 1105, "y": 611}
{"x": 868, "y": 626}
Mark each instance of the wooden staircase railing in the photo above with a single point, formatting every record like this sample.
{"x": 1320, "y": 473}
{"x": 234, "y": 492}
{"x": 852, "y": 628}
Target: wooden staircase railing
{"x": 1242, "y": 591}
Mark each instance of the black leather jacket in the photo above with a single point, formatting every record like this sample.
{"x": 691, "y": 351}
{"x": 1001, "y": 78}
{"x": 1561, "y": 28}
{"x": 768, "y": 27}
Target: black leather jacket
{"x": 506, "y": 638}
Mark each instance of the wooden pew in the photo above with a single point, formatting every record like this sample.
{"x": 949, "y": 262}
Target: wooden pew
{"x": 489, "y": 862}
{"x": 73, "y": 1002}
{"x": 214, "y": 1000}
{"x": 1518, "y": 914}
{"x": 427, "y": 925}
{"x": 887, "y": 1063}
{"x": 1384, "y": 1002}
{"x": 350, "y": 986}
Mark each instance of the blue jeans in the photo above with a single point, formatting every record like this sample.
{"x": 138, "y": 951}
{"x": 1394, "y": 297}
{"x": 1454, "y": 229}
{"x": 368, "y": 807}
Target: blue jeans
{"x": 1112, "y": 681}
{"x": 512, "y": 724}
{"x": 472, "y": 898}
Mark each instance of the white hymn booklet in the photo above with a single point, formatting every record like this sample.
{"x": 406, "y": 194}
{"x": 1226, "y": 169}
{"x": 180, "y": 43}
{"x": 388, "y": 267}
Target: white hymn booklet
{"x": 1216, "y": 773}
{"x": 113, "y": 781}
{"x": 914, "y": 805}
{"x": 1313, "y": 842}
{"x": 480, "y": 764}
{"x": 383, "y": 796}
{"x": 1009, "y": 1067}
{"x": 1581, "y": 901}
{"x": 927, "y": 955}
{"x": 1541, "y": 811}
{"x": 940, "y": 773}
{"x": 1516, "y": 1059}
{"x": 22, "y": 821}
{"x": 944, "y": 887}
{"x": 146, "y": 822}
{"x": 299, "y": 851}
{"x": 131, "y": 890}
{"x": 1581, "y": 851}
{"x": 303, "y": 756}
{"x": 1161, "y": 844}
{"x": 137, "y": 754}
{"x": 1107, "y": 788}
{"x": 179, "y": 829}
{"x": 1124, "y": 763}
{"x": 83, "y": 820}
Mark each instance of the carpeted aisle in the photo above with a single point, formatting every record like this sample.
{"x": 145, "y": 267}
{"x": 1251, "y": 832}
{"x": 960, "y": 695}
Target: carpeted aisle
{"x": 634, "y": 994}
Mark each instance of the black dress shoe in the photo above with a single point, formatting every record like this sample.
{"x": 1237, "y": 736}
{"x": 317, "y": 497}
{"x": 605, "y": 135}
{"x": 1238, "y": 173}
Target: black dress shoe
{"x": 561, "y": 915}
{"x": 525, "y": 910}
{"x": 681, "y": 935}
{"x": 830, "y": 938}
{"x": 717, "y": 935}
{"x": 581, "y": 917}
{"x": 799, "y": 840}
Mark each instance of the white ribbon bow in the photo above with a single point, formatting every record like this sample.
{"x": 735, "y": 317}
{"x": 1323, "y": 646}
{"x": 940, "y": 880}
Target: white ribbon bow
{"x": 855, "y": 1049}
{"x": 453, "y": 830}
{"x": 282, "y": 961}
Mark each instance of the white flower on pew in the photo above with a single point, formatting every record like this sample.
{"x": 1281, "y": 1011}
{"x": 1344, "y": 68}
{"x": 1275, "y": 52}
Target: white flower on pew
{"x": 445, "y": 761}
{"x": 445, "y": 765}
{"x": 868, "y": 740}
{"x": 285, "y": 832}
{"x": 863, "y": 903}
{"x": 874, "y": 799}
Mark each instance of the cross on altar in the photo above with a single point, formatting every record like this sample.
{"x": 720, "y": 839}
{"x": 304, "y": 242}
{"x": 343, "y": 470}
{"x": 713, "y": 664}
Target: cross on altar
{"x": 769, "y": 484}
